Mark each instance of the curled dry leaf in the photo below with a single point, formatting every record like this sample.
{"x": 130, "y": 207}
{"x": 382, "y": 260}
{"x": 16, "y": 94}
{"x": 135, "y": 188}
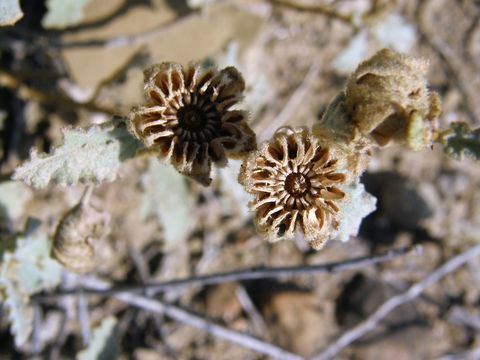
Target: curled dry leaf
{"x": 388, "y": 100}
{"x": 77, "y": 237}
{"x": 187, "y": 118}
{"x": 295, "y": 183}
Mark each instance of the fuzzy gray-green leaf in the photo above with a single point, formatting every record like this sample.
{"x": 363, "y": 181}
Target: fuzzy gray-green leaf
{"x": 88, "y": 156}
{"x": 64, "y": 13}
{"x": 10, "y": 12}
{"x": 167, "y": 198}
{"x": 25, "y": 270}
{"x": 13, "y": 197}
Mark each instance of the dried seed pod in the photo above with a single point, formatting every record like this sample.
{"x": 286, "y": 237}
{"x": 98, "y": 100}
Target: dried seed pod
{"x": 187, "y": 117}
{"x": 294, "y": 180}
{"x": 387, "y": 99}
{"x": 76, "y": 237}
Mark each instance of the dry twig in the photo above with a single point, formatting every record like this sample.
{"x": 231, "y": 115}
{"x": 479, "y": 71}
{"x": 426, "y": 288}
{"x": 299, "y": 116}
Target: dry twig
{"x": 30, "y": 40}
{"x": 242, "y": 275}
{"x": 414, "y": 291}
{"x": 318, "y": 8}
{"x": 252, "y": 312}
{"x": 83, "y": 318}
{"x": 140, "y": 38}
{"x": 461, "y": 317}
{"x": 450, "y": 62}
{"x": 293, "y": 103}
{"x": 188, "y": 318}
{"x": 54, "y": 352}
{"x": 37, "y": 327}
{"x": 467, "y": 355}
{"x": 24, "y": 91}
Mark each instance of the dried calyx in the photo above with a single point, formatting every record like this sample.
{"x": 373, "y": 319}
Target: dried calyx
{"x": 387, "y": 100}
{"x": 294, "y": 180}
{"x": 188, "y": 119}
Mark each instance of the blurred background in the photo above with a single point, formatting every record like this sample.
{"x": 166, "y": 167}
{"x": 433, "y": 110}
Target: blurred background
{"x": 77, "y": 63}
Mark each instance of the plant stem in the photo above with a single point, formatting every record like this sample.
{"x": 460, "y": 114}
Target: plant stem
{"x": 241, "y": 275}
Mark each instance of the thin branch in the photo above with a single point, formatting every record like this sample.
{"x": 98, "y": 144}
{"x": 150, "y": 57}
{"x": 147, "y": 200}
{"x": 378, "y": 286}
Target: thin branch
{"x": 25, "y": 92}
{"x": 23, "y": 39}
{"x": 414, "y": 291}
{"x": 472, "y": 354}
{"x": 139, "y": 263}
{"x": 242, "y": 275}
{"x": 54, "y": 352}
{"x": 183, "y": 316}
{"x": 252, "y": 312}
{"x": 83, "y": 318}
{"x": 139, "y": 38}
{"x": 461, "y": 317}
{"x": 318, "y": 8}
{"x": 37, "y": 328}
{"x": 135, "y": 57}
{"x": 445, "y": 55}
{"x": 451, "y": 65}
{"x": 143, "y": 271}
{"x": 293, "y": 103}
{"x": 468, "y": 39}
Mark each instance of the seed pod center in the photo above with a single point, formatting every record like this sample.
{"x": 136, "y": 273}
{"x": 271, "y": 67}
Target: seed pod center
{"x": 297, "y": 184}
{"x": 191, "y": 118}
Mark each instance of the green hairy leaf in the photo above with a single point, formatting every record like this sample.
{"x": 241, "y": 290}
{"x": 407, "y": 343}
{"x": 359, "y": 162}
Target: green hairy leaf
{"x": 104, "y": 344}
{"x": 460, "y": 141}
{"x": 25, "y": 270}
{"x": 10, "y": 12}
{"x": 167, "y": 198}
{"x": 86, "y": 156}
{"x": 63, "y": 13}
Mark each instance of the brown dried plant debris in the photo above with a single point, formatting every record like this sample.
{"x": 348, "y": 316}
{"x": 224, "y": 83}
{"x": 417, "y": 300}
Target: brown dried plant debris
{"x": 387, "y": 99}
{"x": 188, "y": 120}
{"x": 295, "y": 183}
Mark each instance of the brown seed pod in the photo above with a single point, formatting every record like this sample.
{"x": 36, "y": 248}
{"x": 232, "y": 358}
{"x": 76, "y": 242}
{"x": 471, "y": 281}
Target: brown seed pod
{"x": 388, "y": 100}
{"x": 294, "y": 181}
{"x": 77, "y": 235}
{"x": 187, "y": 118}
